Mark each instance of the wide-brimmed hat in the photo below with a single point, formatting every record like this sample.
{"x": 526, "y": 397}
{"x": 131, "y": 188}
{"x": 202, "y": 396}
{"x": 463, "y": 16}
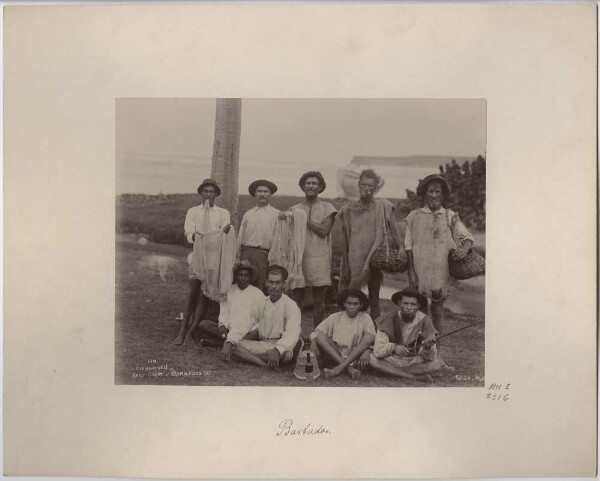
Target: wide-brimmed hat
{"x": 313, "y": 173}
{"x": 409, "y": 292}
{"x": 248, "y": 266}
{"x": 212, "y": 182}
{"x": 257, "y": 183}
{"x": 430, "y": 178}
{"x": 342, "y": 296}
{"x": 273, "y": 267}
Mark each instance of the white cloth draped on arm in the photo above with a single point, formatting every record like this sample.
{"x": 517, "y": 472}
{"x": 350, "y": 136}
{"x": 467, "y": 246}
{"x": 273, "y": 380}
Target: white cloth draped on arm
{"x": 212, "y": 262}
{"x": 288, "y": 246}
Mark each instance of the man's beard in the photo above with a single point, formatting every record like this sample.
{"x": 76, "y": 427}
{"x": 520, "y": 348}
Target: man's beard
{"x": 408, "y": 316}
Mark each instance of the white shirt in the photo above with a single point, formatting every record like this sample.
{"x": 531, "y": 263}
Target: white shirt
{"x": 276, "y": 320}
{"x": 218, "y": 218}
{"x": 258, "y": 227}
{"x": 235, "y": 311}
{"x": 345, "y": 331}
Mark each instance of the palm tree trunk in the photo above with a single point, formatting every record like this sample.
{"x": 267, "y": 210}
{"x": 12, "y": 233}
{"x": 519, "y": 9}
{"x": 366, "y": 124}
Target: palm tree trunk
{"x": 226, "y": 153}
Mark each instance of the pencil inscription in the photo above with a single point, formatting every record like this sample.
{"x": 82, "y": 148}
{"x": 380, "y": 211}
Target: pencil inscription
{"x": 286, "y": 428}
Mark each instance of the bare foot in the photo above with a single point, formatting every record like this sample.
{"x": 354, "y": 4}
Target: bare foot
{"x": 445, "y": 366}
{"x": 353, "y": 373}
{"x": 178, "y": 341}
{"x": 425, "y": 378}
{"x": 329, "y": 373}
{"x": 188, "y": 341}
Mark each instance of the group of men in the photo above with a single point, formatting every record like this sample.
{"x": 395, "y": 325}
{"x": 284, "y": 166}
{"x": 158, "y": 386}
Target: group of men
{"x": 259, "y": 324}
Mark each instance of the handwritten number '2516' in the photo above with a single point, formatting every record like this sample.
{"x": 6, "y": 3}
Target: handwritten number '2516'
{"x": 498, "y": 397}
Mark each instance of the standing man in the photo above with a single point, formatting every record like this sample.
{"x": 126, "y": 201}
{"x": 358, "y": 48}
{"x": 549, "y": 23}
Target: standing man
{"x": 363, "y": 225}
{"x": 316, "y": 262}
{"x": 211, "y": 221}
{"x": 275, "y": 337}
{"x": 432, "y": 233}
{"x": 258, "y": 229}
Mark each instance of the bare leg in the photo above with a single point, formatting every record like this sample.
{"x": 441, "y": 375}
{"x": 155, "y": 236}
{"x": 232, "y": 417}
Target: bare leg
{"x": 437, "y": 314}
{"x": 244, "y": 354}
{"x": 425, "y": 368}
{"x": 374, "y": 284}
{"x": 190, "y": 306}
{"x": 391, "y": 370}
{"x": 200, "y": 308}
{"x": 210, "y": 328}
{"x": 318, "y": 295}
{"x": 299, "y": 297}
{"x": 328, "y": 347}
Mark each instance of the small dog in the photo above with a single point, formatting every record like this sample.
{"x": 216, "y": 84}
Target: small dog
{"x": 160, "y": 264}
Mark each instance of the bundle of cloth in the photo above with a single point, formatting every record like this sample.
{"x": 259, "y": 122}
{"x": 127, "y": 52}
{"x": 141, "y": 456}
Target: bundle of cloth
{"x": 288, "y": 245}
{"x": 212, "y": 261}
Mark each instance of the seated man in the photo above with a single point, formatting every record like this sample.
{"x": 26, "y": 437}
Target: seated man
{"x": 276, "y": 332}
{"x": 405, "y": 341}
{"x": 345, "y": 337}
{"x": 234, "y": 312}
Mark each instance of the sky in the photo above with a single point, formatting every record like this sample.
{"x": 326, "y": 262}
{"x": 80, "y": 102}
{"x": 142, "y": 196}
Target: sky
{"x": 165, "y": 145}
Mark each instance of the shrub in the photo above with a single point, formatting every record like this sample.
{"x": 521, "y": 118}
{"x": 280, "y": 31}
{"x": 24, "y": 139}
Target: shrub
{"x": 467, "y": 197}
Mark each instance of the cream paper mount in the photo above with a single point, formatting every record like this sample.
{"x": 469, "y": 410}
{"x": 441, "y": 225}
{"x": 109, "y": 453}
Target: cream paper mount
{"x": 64, "y": 66}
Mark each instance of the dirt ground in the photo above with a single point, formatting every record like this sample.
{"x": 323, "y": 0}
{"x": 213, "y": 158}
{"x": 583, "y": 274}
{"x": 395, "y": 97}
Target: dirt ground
{"x": 151, "y": 289}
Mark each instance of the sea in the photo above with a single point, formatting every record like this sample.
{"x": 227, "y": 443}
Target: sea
{"x": 152, "y": 175}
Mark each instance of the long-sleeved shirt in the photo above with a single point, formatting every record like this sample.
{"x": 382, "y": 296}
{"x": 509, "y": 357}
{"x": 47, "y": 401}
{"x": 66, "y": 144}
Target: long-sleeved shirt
{"x": 234, "y": 313}
{"x": 218, "y": 218}
{"x": 275, "y": 321}
{"x": 258, "y": 227}
{"x": 408, "y": 332}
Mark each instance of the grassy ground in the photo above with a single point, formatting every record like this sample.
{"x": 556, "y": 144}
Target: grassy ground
{"x": 146, "y": 324}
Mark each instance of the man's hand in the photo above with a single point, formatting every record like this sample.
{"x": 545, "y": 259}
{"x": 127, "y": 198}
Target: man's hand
{"x": 363, "y": 360}
{"x": 273, "y": 357}
{"x": 226, "y": 352}
{"x": 413, "y": 281}
{"x": 459, "y": 254}
{"x": 427, "y": 343}
{"x": 223, "y": 331}
{"x": 401, "y": 350}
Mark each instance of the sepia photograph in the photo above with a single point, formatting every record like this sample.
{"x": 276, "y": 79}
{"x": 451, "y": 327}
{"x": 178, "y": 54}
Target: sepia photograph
{"x": 300, "y": 242}
{"x": 235, "y": 233}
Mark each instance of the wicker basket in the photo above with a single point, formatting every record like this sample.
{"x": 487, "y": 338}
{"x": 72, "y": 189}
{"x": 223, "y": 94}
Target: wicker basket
{"x": 389, "y": 258}
{"x": 470, "y": 266}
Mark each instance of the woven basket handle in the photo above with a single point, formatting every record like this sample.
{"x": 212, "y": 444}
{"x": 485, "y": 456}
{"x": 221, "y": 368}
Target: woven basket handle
{"x": 386, "y": 241}
{"x": 452, "y": 233}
